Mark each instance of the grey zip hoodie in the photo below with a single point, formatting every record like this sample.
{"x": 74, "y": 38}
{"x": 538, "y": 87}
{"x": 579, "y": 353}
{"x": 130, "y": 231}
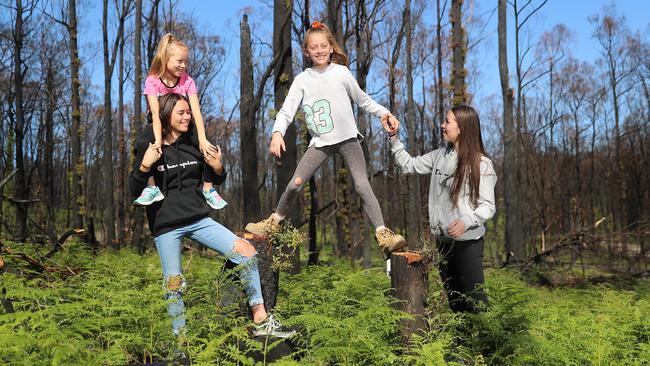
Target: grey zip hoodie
{"x": 441, "y": 163}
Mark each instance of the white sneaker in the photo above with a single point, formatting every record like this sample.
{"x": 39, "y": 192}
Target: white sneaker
{"x": 272, "y": 327}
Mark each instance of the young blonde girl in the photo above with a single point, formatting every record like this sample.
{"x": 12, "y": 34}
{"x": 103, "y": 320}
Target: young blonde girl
{"x": 167, "y": 74}
{"x": 324, "y": 90}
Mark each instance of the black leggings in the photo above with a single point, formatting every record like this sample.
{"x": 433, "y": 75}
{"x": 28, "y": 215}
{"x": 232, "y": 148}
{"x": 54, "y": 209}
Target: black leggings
{"x": 461, "y": 270}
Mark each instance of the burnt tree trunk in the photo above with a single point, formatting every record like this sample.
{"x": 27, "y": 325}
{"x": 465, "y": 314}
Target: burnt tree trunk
{"x": 313, "y": 200}
{"x": 248, "y": 128}
{"x": 439, "y": 86}
{"x": 268, "y": 276}
{"x": 122, "y": 181}
{"x": 514, "y": 246}
{"x": 413, "y": 225}
{"x": 76, "y": 192}
{"x": 20, "y": 190}
{"x": 136, "y": 125}
{"x": 459, "y": 49}
{"x": 283, "y": 76}
{"x": 48, "y": 169}
{"x": 342, "y": 218}
{"x": 365, "y": 20}
{"x": 107, "y": 162}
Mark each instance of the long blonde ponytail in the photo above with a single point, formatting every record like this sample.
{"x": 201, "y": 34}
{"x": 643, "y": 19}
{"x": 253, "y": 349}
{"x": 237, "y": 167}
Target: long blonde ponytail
{"x": 165, "y": 46}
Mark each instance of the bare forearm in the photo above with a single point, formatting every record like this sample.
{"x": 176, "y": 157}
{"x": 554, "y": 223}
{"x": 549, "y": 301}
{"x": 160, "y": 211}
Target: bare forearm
{"x": 198, "y": 118}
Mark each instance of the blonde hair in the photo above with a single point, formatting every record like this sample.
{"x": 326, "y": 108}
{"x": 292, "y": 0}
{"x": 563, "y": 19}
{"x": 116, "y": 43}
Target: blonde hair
{"x": 167, "y": 43}
{"x": 338, "y": 56}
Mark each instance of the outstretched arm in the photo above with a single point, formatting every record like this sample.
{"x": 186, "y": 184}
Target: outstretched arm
{"x": 420, "y": 164}
{"x": 361, "y": 98}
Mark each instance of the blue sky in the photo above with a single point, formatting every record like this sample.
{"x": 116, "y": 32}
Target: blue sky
{"x": 222, "y": 17}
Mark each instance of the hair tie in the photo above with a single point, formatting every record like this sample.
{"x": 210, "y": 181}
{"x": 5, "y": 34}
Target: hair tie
{"x": 317, "y": 25}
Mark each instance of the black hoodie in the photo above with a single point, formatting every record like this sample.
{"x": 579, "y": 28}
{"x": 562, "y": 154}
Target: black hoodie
{"x": 179, "y": 175}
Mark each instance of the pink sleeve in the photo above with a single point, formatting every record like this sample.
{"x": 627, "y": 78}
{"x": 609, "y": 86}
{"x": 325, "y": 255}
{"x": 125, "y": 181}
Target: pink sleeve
{"x": 150, "y": 86}
{"x": 190, "y": 86}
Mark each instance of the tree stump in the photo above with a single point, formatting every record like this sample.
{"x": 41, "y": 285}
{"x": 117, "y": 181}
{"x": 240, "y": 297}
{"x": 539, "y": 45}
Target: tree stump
{"x": 268, "y": 276}
{"x": 409, "y": 282}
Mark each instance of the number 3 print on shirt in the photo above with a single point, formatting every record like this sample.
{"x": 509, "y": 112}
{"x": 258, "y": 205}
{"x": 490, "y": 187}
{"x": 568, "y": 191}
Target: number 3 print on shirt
{"x": 318, "y": 117}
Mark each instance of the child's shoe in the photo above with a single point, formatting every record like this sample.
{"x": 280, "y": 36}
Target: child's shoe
{"x": 265, "y": 227}
{"x": 389, "y": 241}
{"x": 149, "y": 195}
{"x": 214, "y": 200}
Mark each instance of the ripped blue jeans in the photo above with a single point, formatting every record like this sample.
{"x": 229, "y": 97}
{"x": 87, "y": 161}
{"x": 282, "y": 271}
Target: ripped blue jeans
{"x": 215, "y": 236}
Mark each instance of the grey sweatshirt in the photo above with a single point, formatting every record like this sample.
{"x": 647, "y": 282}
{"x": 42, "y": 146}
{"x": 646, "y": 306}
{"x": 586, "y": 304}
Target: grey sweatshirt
{"x": 325, "y": 96}
{"x": 441, "y": 163}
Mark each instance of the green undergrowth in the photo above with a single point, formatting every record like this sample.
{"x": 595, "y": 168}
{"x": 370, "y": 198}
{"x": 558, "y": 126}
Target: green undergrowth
{"x": 112, "y": 312}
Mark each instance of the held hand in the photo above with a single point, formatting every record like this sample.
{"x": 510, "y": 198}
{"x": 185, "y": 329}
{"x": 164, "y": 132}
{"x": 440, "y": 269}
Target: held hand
{"x": 390, "y": 123}
{"x": 213, "y": 159}
{"x": 394, "y": 123}
{"x": 153, "y": 153}
{"x": 207, "y": 148}
{"x": 277, "y": 144}
{"x": 159, "y": 144}
{"x": 456, "y": 228}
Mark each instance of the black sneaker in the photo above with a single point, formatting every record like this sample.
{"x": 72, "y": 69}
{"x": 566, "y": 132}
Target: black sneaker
{"x": 272, "y": 327}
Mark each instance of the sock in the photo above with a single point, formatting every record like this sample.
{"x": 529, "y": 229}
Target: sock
{"x": 382, "y": 227}
{"x": 278, "y": 217}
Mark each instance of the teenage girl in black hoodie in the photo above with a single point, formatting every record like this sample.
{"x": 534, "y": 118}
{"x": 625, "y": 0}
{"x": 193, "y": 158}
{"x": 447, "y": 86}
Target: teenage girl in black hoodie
{"x": 184, "y": 212}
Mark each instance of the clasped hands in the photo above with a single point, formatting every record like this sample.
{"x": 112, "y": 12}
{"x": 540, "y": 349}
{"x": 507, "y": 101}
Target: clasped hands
{"x": 391, "y": 125}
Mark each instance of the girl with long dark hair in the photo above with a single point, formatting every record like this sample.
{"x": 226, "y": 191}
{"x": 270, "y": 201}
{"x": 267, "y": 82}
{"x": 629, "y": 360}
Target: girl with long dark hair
{"x": 461, "y": 200}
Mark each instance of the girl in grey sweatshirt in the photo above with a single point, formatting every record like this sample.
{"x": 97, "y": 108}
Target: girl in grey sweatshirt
{"x": 324, "y": 91}
{"x": 461, "y": 199}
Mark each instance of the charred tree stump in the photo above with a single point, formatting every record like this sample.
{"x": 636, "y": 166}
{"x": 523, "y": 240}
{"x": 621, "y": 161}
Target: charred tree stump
{"x": 409, "y": 283}
{"x": 268, "y": 276}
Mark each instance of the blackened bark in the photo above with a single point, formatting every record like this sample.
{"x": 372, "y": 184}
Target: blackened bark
{"x": 283, "y": 77}
{"x": 78, "y": 165}
{"x": 136, "y": 125}
{"x": 248, "y": 129}
{"x": 20, "y": 190}
{"x": 459, "y": 49}
{"x": 514, "y": 246}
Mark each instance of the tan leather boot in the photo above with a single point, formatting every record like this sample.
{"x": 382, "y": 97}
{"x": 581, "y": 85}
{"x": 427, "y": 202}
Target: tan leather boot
{"x": 265, "y": 227}
{"x": 389, "y": 241}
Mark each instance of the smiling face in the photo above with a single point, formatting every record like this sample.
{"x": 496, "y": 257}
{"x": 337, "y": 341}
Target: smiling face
{"x": 450, "y": 129}
{"x": 318, "y": 49}
{"x": 180, "y": 117}
{"x": 176, "y": 63}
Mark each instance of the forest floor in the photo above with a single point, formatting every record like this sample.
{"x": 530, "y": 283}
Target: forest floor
{"x": 108, "y": 309}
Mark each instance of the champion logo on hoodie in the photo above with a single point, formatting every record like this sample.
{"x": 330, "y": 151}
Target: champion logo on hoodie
{"x": 161, "y": 168}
